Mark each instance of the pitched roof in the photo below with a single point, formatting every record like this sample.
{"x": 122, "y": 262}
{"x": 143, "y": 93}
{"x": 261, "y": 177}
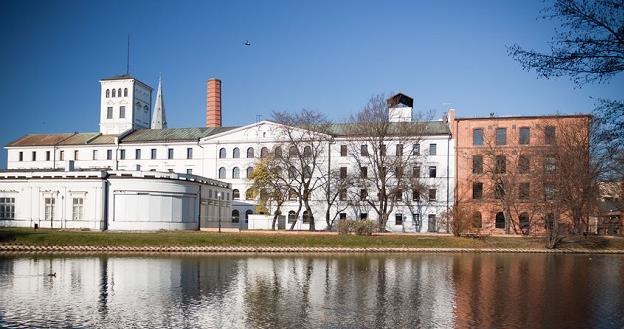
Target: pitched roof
{"x": 172, "y": 134}
{"x": 426, "y": 128}
{"x": 125, "y": 76}
{"x": 40, "y": 139}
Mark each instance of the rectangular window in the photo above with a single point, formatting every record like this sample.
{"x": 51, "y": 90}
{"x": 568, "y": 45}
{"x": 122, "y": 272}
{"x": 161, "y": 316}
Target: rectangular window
{"x": 34, "y": 156}
{"x": 122, "y": 154}
{"x": 109, "y": 154}
{"x": 364, "y": 150}
{"x": 62, "y": 155}
{"x": 7, "y": 208}
{"x": 94, "y": 156}
{"x": 398, "y": 219}
{"x": 549, "y": 192}
{"x": 415, "y": 195}
{"x": 416, "y": 149}
{"x": 523, "y": 164}
{"x": 523, "y": 192}
{"x": 363, "y": 194}
{"x": 189, "y": 171}
{"x": 343, "y": 150}
{"x": 137, "y": 154}
{"x": 363, "y": 172}
{"x": 109, "y": 112}
{"x": 363, "y": 216}
{"x": 343, "y": 216}
{"x": 398, "y": 172}
{"x": 78, "y": 209}
{"x": 477, "y": 164}
{"x": 399, "y": 149}
{"x": 525, "y": 136}
{"x": 549, "y": 135}
{"x": 432, "y": 171}
{"x": 343, "y": 195}
{"x": 477, "y": 136}
{"x": 47, "y": 155}
{"x": 76, "y": 155}
{"x": 501, "y": 164}
{"x": 153, "y": 154}
{"x": 343, "y": 172}
{"x": 433, "y": 149}
{"x": 501, "y": 136}
{"x": 189, "y": 153}
{"x": 49, "y": 209}
{"x": 122, "y": 112}
{"x": 477, "y": 190}
{"x": 416, "y": 172}
{"x": 431, "y": 227}
{"x": 550, "y": 164}
{"x": 169, "y": 153}
{"x": 499, "y": 191}
{"x": 382, "y": 150}
{"x": 433, "y": 194}
{"x": 21, "y": 156}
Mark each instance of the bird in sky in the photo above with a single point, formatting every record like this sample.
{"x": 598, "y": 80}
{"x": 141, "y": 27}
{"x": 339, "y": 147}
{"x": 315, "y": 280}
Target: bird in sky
{"x": 247, "y": 43}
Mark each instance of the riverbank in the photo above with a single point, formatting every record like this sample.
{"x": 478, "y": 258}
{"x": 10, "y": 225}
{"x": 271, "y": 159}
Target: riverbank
{"x": 19, "y": 239}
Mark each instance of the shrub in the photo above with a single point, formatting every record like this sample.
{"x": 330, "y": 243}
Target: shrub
{"x": 345, "y": 226}
{"x": 364, "y": 227}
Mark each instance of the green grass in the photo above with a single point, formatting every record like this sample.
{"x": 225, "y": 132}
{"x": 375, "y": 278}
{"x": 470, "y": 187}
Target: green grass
{"x": 251, "y": 239}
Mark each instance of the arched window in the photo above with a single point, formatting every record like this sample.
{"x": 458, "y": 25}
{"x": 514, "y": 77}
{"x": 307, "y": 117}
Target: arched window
{"x": 249, "y": 172}
{"x": 222, "y": 153}
{"x": 235, "y": 216}
{"x": 292, "y": 172}
{"x": 236, "y": 153}
{"x": 247, "y": 213}
{"x": 114, "y": 93}
{"x": 145, "y": 108}
{"x": 249, "y": 194}
{"x": 107, "y": 93}
{"x": 292, "y": 195}
{"x": 292, "y": 216}
{"x": 221, "y": 173}
{"x": 264, "y": 195}
{"x": 292, "y": 151}
{"x": 500, "y": 220}
{"x": 264, "y": 152}
{"x": 125, "y": 92}
{"x": 306, "y": 217}
{"x": 308, "y": 172}
{"x": 477, "y": 221}
{"x": 235, "y": 194}
{"x": 119, "y": 92}
{"x": 307, "y": 151}
{"x": 278, "y": 151}
{"x": 250, "y": 152}
{"x": 524, "y": 222}
{"x": 235, "y": 172}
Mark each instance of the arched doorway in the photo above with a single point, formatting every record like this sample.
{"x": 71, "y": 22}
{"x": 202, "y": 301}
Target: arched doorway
{"x": 235, "y": 216}
{"x": 500, "y": 220}
{"x": 292, "y": 216}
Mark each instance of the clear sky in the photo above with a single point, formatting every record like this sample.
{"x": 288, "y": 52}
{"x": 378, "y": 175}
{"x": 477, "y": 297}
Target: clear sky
{"x": 329, "y": 56}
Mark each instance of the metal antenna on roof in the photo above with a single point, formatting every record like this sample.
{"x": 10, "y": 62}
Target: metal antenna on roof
{"x": 128, "y": 58}
{"x": 258, "y": 116}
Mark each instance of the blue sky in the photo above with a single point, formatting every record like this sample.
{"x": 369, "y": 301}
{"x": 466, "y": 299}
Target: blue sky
{"x": 329, "y": 56}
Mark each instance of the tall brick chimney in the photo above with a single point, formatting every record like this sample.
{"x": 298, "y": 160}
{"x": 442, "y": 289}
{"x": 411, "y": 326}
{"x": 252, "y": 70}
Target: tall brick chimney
{"x": 213, "y": 103}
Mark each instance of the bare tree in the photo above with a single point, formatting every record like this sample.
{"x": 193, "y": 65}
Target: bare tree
{"x": 306, "y": 136}
{"x": 383, "y": 152}
{"x": 336, "y": 196}
{"x": 271, "y": 183}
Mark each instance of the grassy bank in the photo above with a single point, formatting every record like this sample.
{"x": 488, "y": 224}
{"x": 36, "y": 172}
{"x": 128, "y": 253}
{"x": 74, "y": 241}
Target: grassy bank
{"x": 252, "y": 239}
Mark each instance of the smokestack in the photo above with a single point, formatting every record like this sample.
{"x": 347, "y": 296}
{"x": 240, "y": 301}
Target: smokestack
{"x": 213, "y": 103}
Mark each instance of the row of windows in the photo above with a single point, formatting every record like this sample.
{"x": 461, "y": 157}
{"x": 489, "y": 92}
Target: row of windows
{"x": 235, "y": 173}
{"x": 523, "y": 167}
{"x": 524, "y": 136}
{"x": 433, "y": 150}
{"x": 77, "y": 208}
{"x": 523, "y": 191}
{"x": 116, "y": 92}
{"x": 432, "y": 195}
{"x": 433, "y": 172}
{"x": 109, "y": 154}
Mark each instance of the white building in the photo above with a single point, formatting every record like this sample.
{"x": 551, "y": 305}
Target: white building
{"x": 227, "y": 154}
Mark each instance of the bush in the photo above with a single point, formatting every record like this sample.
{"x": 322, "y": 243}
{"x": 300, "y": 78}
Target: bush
{"x": 345, "y": 226}
{"x": 364, "y": 227}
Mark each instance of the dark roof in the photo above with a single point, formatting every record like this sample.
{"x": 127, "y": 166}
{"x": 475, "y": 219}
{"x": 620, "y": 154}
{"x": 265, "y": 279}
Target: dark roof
{"x": 400, "y": 98}
{"x": 40, "y": 139}
{"x": 426, "y": 128}
{"x": 172, "y": 134}
{"x": 78, "y": 139}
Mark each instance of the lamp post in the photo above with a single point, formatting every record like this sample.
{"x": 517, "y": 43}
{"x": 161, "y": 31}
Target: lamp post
{"x": 219, "y": 206}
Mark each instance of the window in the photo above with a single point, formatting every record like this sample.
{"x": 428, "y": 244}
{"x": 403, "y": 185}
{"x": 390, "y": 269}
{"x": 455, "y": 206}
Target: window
{"x": 278, "y": 152}
{"x": 398, "y": 172}
{"x": 525, "y": 136}
{"x": 416, "y": 149}
{"x": 499, "y": 191}
{"x": 292, "y": 172}
{"x": 477, "y": 221}
{"x": 433, "y": 149}
{"x": 189, "y": 153}
{"x": 249, "y": 172}
{"x": 221, "y": 173}
{"x": 523, "y": 191}
{"x": 549, "y": 221}
{"x": 523, "y": 164}
{"x": 137, "y": 154}
{"x": 125, "y": 92}
{"x": 153, "y": 154}
{"x": 122, "y": 154}
{"x": 7, "y": 208}
{"x": 145, "y": 108}
{"x": 109, "y": 154}
{"x": 109, "y": 112}
{"x": 170, "y": 153}
{"x": 431, "y": 227}
{"x": 62, "y": 155}
{"x": 432, "y": 171}
{"x": 122, "y": 112}
{"x": 363, "y": 216}
{"x": 549, "y": 192}
{"x": 235, "y": 194}
{"x": 363, "y": 194}
{"x": 550, "y": 164}
{"x": 416, "y": 171}
{"x": 477, "y": 136}
{"x": 398, "y": 194}
{"x": 363, "y": 172}
{"x": 235, "y": 172}
{"x": 21, "y": 156}
{"x": 292, "y": 216}
{"x": 235, "y": 216}
{"x": 343, "y": 172}
{"x": 49, "y": 209}
{"x": 501, "y": 136}
{"x": 292, "y": 195}
{"x": 477, "y": 164}
{"x": 500, "y": 220}
{"x": 501, "y": 164}
{"x": 343, "y": 195}
{"x": 433, "y": 194}
{"x": 549, "y": 135}
{"x": 307, "y": 151}
{"x": 76, "y": 155}
{"x": 415, "y": 195}
{"x": 382, "y": 150}
{"x": 47, "y": 155}
{"x": 524, "y": 222}
{"x": 343, "y": 216}
{"x": 343, "y": 150}
{"x": 264, "y": 152}
{"x": 364, "y": 150}
{"x": 114, "y": 92}
{"x": 306, "y": 217}
{"x": 292, "y": 151}
{"x": 222, "y": 153}
{"x": 34, "y": 156}
{"x": 78, "y": 208}
{"x": 399, "y": 149}
{"x": 119, "y": 92}
{"x": 188, "y": 171}
{"x": 398, "y": 219}
{"x": 250, "y": 152}
{"x": 477, "y": 190}
{"x": 107, "y": 93}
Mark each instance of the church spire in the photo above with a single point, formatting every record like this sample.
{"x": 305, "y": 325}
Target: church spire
{"x": 159, "y": 121}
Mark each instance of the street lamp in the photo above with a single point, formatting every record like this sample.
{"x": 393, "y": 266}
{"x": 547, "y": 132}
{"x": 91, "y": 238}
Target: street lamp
{"x": 219, "y": 206}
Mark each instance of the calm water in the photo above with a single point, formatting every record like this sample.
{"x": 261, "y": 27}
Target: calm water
{"x": 321, "y": 291}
